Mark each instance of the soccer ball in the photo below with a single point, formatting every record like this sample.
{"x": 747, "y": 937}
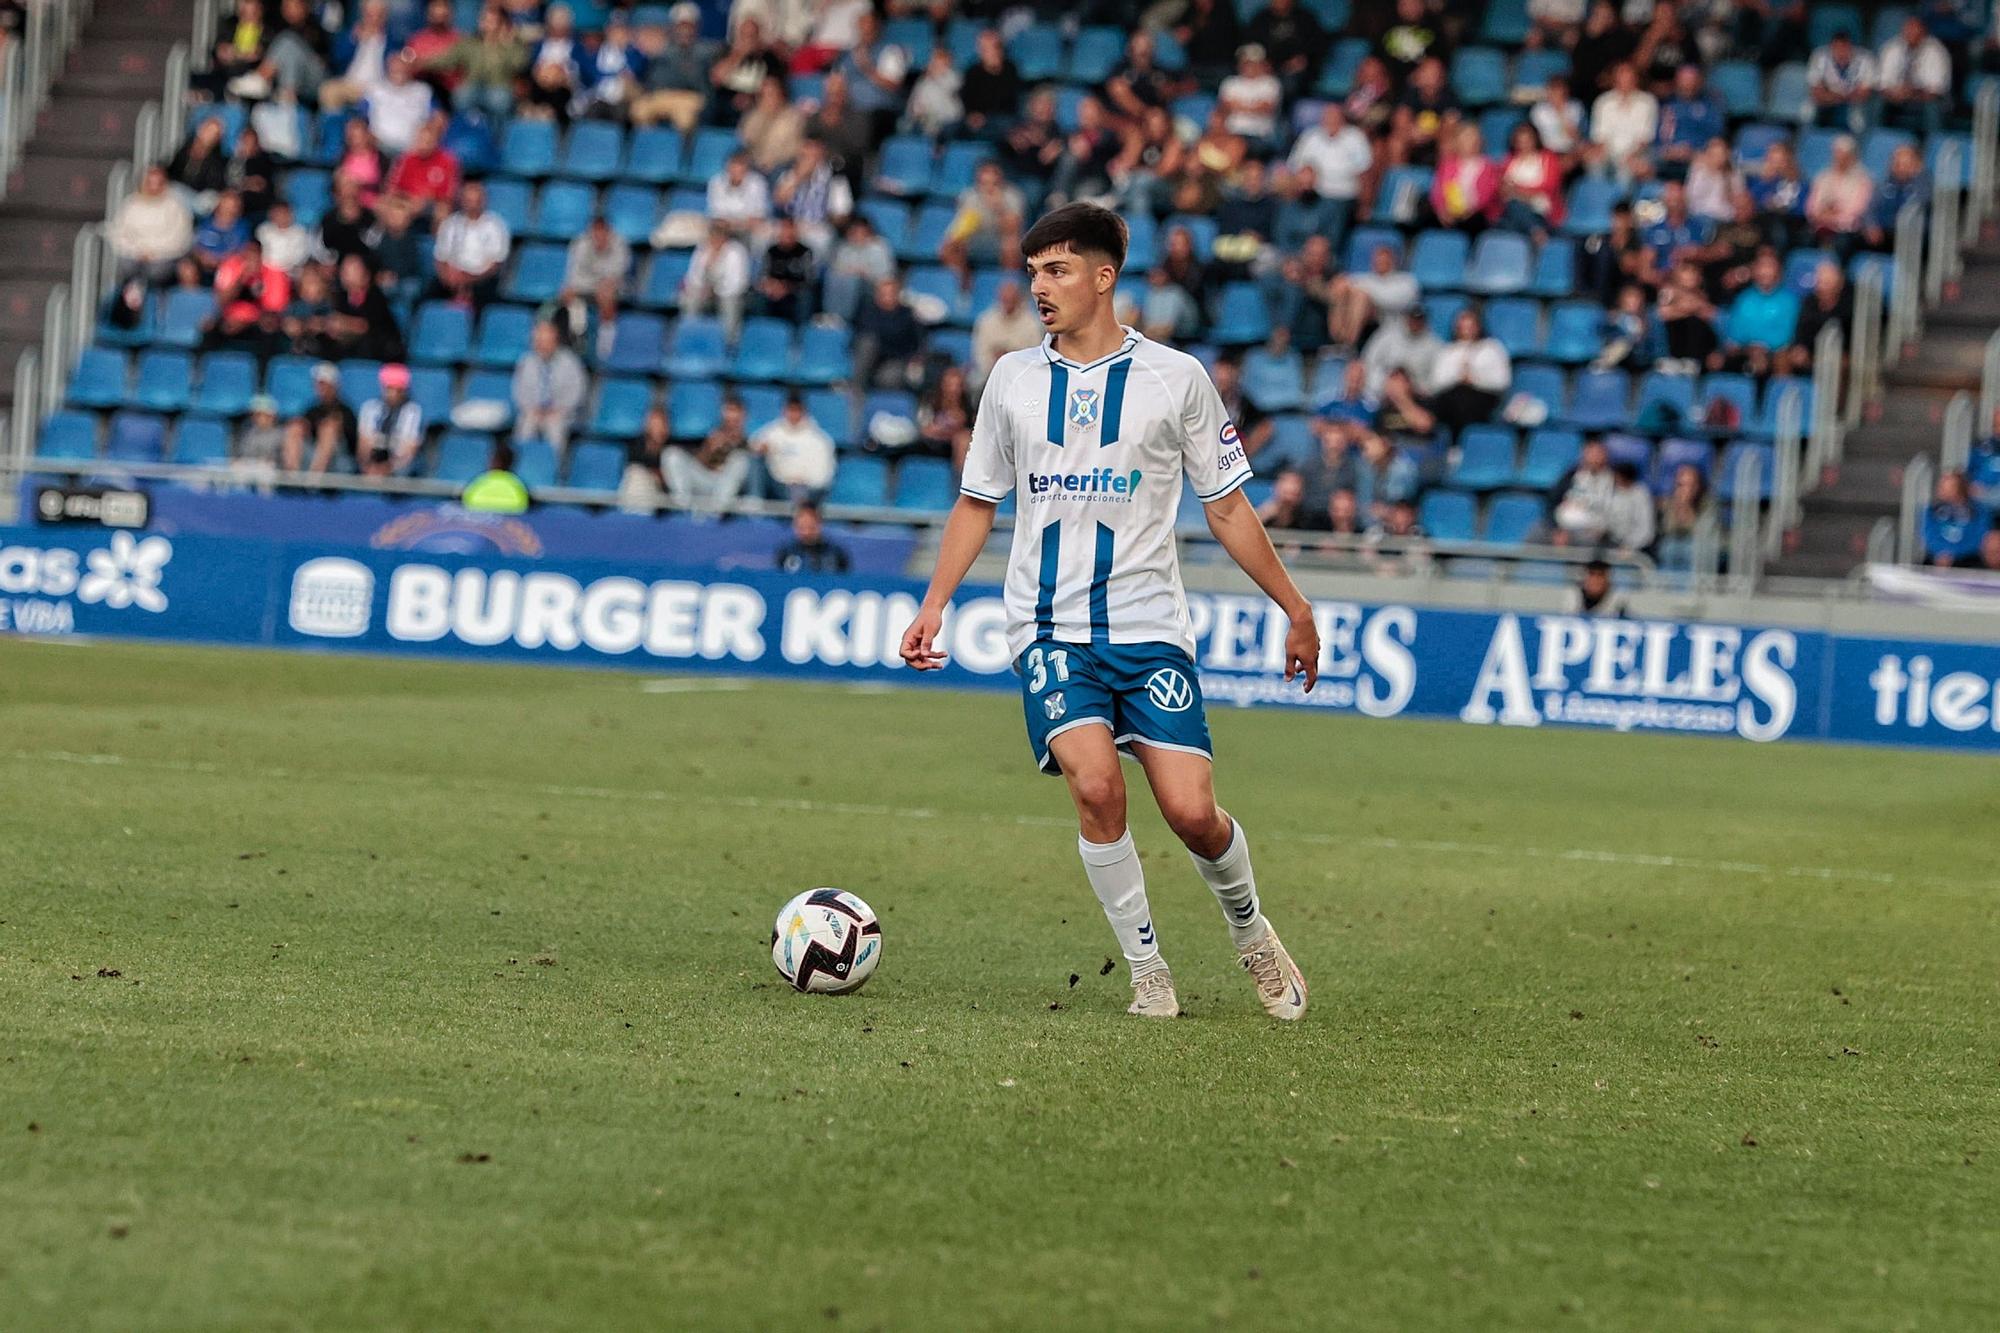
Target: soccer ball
{"x": 826, "y": 941}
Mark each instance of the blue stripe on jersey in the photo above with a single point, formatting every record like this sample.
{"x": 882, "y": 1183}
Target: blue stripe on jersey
{"x": 1045, "y": 600}
{"x": 1114, "y": 400}
{"x": 1100, "y": 586}
{"x": 1058, "y": 395}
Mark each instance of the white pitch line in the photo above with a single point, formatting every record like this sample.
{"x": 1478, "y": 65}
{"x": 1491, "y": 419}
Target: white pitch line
{"x": 802, "y": 805}
{"x": 694, "y": 686}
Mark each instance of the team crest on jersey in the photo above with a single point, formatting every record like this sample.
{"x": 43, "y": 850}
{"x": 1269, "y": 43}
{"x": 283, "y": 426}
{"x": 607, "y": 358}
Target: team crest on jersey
{"x": 1083, "y": 407}
{"x": 1169, "y": 690}
{"x": 1055, "y": 706}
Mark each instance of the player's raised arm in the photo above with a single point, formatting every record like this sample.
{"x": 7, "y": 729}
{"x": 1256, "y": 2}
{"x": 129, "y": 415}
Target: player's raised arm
{"x": 1236, "y": 525}
{"x": 965, "y": 534}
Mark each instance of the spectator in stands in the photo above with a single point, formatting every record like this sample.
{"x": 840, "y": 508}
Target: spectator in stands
{"x": 295, "y": 58}
{"x": 1633, "y": 337}
{"x": 152, "y": 230}
{"x": 239, "y": 49}
{"x": 986, "y": 229}
{"x": 1304, "y": 310}
{"x": 1152, "y": 155}
{"x": 308, "y": 318}
{"x": 1167, "y": 313}
{"x": 1714, "y": 183}
{"x": 1580, "y": 503}
{"x": 1761, "y": 322}
{"x": 250, "y": 295}
{"x": 250, "y": 172}
{"x": 1773, "y": 30}
{"x": 739, "y": 198}
{"x": 555, "y": 67}
{"x": 1954, "y": 526}
{"x": 1607, "y": 264}
{"x": 1681, "y": 512}
{"x": 328, "y": 425}
{"x": 1915, "y": 78}
{"x": 391, "y": 426}
{"x": 1415, "y": 36}
{"x": 934, "y": 105}
{"x": 710, "y": 478}
{"x": 1664, "y": 48}
{"x": 1630, "y": 523}
{"x": 200, "y": 167}
{"x": 1246, "y": 221}
{"x": 1250, "y": 98}
{"x": 875, "y": 70}
{"x": 846, "y": 131}
{"x": 1829, "y": 302}
{"x": 1008, "y": 325}
{"x": 437, "y": 36}
{"x": 944, "y": 417}
{"x": 1734, "y": 247}
{"x": 550, "y": 385}
{"x": 362, "y": 162}
{"x": 888, "y": 343}
{"x": 991, "y": 90}
{"x": 1687, "y": 319}
{"x": 742, "y": 70}
{"x": 1425, "y": 116}
{"x": 1084, "y": 166}
{"x": 1465, "y": 189}
{"x": 1354, "y": 402}
{"x": 718, "y": 279}
{"x": 1252, "y": 425}
{"x": 526, "y": 16}
{"x": 809, "y": 551}
{"x": 1603, "y": 45}
{"x": 773, "y": 129}
{"x": 1558, "y": 118}
{"x": 1688, "y": 122}
{"x": 399, "y": 106}
{"x": 286, "y": 244}
{"x": 674, "y": 85}
{"x": 1332, "y": 160}
{"x": 1837, "y": 205}
{"x": 1988, "y": 560}
{"x": 1676, "y": 236}
{"x": 1139, "y": 85}
{"x": 1406, "y": 345}
{"x": 797, "y": 453}
{"x": 1907, "y": 180}
{"x": 362, "y": 323}
{"x": 594, "y": 273}
{"x": 1371, "y": 103}
{"x": 1384, "y": 476}
{"x": 861, "y": 260}
{"x": 220, "y": 234}
{"x": 1594, "y": 596}
{"x": 1208, "y": 31}
{"x": 1840, "y": 79}
{"x": 427, "y": 175}
{"x": 815, "y": 196}
{"x": 1395, "y": 540}
{"x": 486, "y": 64}
{"x": 643, "y": 482}
{"x": 1779, "y": 192}
{"x": 1531, "y": 185}
{"x": 1554, "y": 23}
{"x": 785, "y": 282}
{"x": 397, "y": 248}
{"x": 362, "y": 57}
{"x": 472, "y": 248}
{"x": 1284, "y": 509}
{"x": 1295, "y": 39}
{"x": 1467, "y": 381}
{"x": 608, "y": 68}
{"x": 1329, "y": 470}
{"x": 259, "y": 442}
{"x": 1034, "y": 142}
{"x": 344, "y": 229}
{"x": 1623, "y": 124}
{"x": 1361, "y": 299}
{"x": 1982, "y": 468}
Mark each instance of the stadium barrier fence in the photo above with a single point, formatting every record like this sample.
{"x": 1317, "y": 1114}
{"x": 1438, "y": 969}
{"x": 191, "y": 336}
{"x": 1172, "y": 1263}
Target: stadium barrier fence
{"x": 1756, "y": 681}
{"x": 27, "y": 70}
{"x": 1919, "y": 479}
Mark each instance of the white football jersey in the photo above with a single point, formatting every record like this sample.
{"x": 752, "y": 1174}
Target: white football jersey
{"x": 1095, "y": 455}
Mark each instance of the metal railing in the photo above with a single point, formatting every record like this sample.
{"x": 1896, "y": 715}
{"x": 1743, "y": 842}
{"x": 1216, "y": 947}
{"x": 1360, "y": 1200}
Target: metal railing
{"x": 1882, "y": 542}
{"x": 1788, "y": 456}
{"x": 1746, "y": 546}
{"x": 207, "y": 14}
{"x": 1918, "y": 480}
{"x": 1906, "y": 307}
{"x": 1826, "y": 436}
{"x": 28, "y": 68}
{"x": 1985, "y": 144}
{"x": 1864, "y": 346}
{"x": 1947, "y": 258}
{"x": 1989, "y": 383}
{"x": 1955, "y": 445}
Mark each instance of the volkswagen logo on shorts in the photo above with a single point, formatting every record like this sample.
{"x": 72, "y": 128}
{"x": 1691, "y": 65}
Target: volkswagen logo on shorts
{"x": 1169, "y": 690}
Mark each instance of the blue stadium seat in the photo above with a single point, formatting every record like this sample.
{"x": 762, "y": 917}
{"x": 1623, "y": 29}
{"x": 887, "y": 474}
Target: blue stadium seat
{"x": 826, "y": 354}
{"x": 1095, "y": 54}
{"x": 1450, "y": 516}
{"x": 1739, "y": 86}
{"x": 632, "y": 210}
{"x": 1500, "y": 264}
{"x": 1274, "y": 383}
{"x": 695, "y": 407}
{"x": 940, "y": 284}
{"x": 764, "y": 352}
{"x": 834, "y": 412}
{"x": 528, "y": 147}
{"x": 1534, "y": 69}
{"x": 1192, "y": 108}
{"x": 1576, "y": 331}
{"x": 470, "y": 139}
{"x": 503, "y": 336}
{"x": 538, "y": 273}
{"x": 1496, "y": 124}
{"x": 1200, "y": 227}
{"x": 461, "y": 456}
{"x": 442, "y": 335}
{"x": 1877, "y": 147}
{"x": 359, "y": 382}
{"x": 310, "y": 193}
{"x": 596, "y": 466}
{"x": 1513, "y": 519}
{"x": 697, "y": 350}
{"x": 1290, "y": 445}
{"x": 182, "y": 313}
{"x": 1624, "y": 447}
{"x": 1517, "y": 323}
{"x": 1676, "y": 454}
{"x": 512, "y": 201}
{"x": 955, "y": 345}
{"x": 1787, "y": 97}
{"x": 1441, "y": 311}
{"x": 708, "y": 153}
{"x": 956, "y": 166}
{"x": 563, "y": 209}
{"x": 1402, "y": 194}
{"x": 430, "y": 389}
{"x": 288, "y": 379}
{"x": 927, "y": 232}
{"x": 1815, "y": 149}
{"x": 654, "y": 155}
{"x": 163, "y": 381}
{"x": 228, "y": 379}
{"x": 99, "y": 379}
{"x": 1479, "y": 76}
{"x": 1801, "y": 265}
{"x": 1738, "y": 392}
{"x": 762, "y": 405}
{"x": 201, "y": 442}
{"x": 1168, "y": 53}
{"x": 621, "y": 408}
{"x": 1725, "y": 479}
{"x": 1824, "y": 19}
{"x": 890, "y": 402}
{"x": 1037, "y": 52}
{"x": 1142, "y": 247}
{"x": 913, "y": 35}
{"x": 69, "y": 436}
{"x": 1598, "y": 400}
{"x": 594, "y": 151}
{"x": 491, "y": 386}
{"x": 860, "y": 480}
{"x": 961, "y": 38}
{"x": 925, "y": 484}
{"x": 1754, "y": 140}
{"x": 904, "y": 166}
{"x": 1555, "y": 269}
{"x": 233, "y": 115}
{"x": 1438, "y": 261}
{"x": 1485, "y": 458}
{"x": 1506, "y": 23}
{"x": 323, "y": 144}
{"x": 535, "y": 464}
{"x": 890, "y": 217}
{"x": 1590, "y": 203}
{"x": 1241, "y": 315}
{"x": 1336, "y": 76}
{"x": 1775, "y": 392}
{"x": 1363, "y": 242}
{"x": 1673, "y": 393}
{"x": 662, "y": 286}
{"x": 636, "y": 344}
{"x": 136, "y": 437}
{"x": 1934, "y": 145}
{"x": 1544, "y": 384}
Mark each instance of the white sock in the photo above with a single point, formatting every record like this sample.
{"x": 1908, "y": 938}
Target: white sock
{"x": 1120, "y": 885}
{"x": 1235, "y": 887}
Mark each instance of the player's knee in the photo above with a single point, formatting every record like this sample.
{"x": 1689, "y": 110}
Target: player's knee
{"x": 1199, "y": 824}
{"x": 1099, "y": 796}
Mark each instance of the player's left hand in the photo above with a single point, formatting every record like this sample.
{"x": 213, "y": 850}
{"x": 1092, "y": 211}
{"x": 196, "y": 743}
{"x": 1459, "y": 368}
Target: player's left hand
{"x": 1302, "y": 651}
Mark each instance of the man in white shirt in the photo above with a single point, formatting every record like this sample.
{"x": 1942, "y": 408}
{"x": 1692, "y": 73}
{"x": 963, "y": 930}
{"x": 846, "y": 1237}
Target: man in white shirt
{"x": 1915, "y": 78}
{"x": 1008, "y": 325}
{"x": 1250, "y": 97}
{"x": 738, "y": 197}
{"x": 472, "y": 245}
{"x": 1405, "y": 344}
{"x": 718, "y": 277}
{"x": 152, "y": 230}
{"x": 1623, "y": 123}
{"x": 1360, "y": 299}
{"x": 1840, "y": 79}
{"x": 399, "y": 106}
{"x": 286, "y": 244}
{"x": 797, "y": 453}
{"x": 549, "y": 388}
{"x": 1333, "y": 156}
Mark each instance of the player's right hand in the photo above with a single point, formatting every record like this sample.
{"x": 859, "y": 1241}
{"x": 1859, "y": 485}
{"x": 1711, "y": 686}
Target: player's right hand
{"x": 920, "y": 641}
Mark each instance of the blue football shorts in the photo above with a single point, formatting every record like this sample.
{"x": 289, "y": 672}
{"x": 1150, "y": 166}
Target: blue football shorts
{"x": 1144, "y": 692}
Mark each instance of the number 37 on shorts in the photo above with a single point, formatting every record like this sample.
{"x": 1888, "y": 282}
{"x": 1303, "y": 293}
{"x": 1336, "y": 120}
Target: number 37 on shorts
{"x": 1146, "y": 693}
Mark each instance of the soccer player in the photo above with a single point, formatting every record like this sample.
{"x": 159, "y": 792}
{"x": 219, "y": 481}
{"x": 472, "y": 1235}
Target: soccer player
{"x": 1094, "y": 429}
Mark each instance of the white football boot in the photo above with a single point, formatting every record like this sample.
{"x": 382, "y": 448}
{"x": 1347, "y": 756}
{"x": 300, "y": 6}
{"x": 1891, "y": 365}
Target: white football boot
{"x": 1280, "y": 985}
{"x": 1153, "y": 996}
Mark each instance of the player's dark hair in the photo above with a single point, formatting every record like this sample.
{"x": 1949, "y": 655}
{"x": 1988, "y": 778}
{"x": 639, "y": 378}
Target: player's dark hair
{"x": 1084, "y": 227}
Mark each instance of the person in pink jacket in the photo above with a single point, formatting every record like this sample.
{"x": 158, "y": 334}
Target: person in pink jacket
{"x": 1465, "y": 192}
{"x": 1837, "y": 205}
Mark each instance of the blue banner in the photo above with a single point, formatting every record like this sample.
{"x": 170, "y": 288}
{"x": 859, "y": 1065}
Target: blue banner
{"x": 1760, "y": 683}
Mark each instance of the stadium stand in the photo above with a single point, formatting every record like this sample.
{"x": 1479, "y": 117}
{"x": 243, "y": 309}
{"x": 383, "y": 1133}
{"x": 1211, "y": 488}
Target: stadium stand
{"x": 1635, "y": 215}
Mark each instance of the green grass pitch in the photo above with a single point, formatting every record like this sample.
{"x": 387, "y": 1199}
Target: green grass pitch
{"x": 344, "y": 993}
